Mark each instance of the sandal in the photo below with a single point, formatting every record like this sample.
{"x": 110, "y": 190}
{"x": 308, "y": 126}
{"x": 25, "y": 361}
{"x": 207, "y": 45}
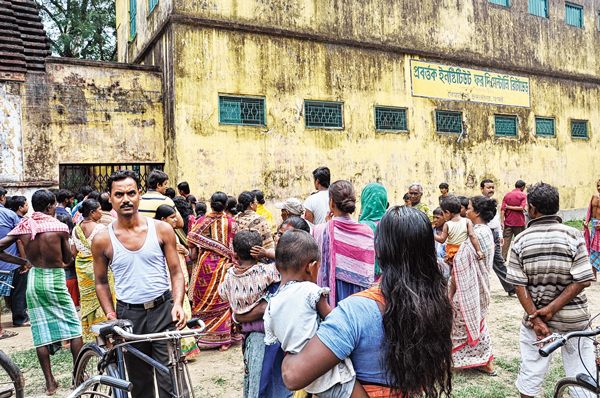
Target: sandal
{"x": 492, "y": 374}
{"x": 8, "y": 334}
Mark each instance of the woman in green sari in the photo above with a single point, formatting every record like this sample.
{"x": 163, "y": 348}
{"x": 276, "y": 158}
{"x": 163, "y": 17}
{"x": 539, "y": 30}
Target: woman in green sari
{"x": 374, "y": 204}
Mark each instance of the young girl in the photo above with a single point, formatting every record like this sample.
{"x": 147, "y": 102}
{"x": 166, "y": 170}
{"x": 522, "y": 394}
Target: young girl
{"x": 167, "y": 214}
{"x": 292, "y": 315}
{"x": 456, "y": 230}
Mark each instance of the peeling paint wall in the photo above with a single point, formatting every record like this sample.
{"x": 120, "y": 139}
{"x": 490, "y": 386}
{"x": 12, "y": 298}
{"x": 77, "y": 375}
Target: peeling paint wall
{"x": 11, "y": 149}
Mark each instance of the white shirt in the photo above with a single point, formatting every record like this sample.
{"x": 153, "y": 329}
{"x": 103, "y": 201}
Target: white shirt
{"x": 318, "y": 204}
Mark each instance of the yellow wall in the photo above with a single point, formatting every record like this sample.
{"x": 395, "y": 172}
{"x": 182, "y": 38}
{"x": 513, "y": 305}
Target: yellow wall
{"x": 66, "y": 118}
{"x": 280, "y": 157}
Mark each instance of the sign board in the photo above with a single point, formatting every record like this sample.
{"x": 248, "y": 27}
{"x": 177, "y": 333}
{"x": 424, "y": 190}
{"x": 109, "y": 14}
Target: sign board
{"x": 459, "y": 84}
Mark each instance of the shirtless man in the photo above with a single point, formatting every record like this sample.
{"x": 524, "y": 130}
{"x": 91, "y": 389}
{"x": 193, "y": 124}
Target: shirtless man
{"x": 51, "y": 309}
{"x": 592, "y": 238}
{"x": 137, "y": 249}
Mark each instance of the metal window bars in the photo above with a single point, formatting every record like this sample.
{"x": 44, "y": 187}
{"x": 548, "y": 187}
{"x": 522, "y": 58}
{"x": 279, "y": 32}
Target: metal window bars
{"x": 544, "y": 126}
{"x": 390, "y": 119}
{"x": 322, "y": 114}
{"x": 579, "y": 129}
{"x": 505, "y": 126}
{"x": 75, "y": 176}
{"x": 574, "y": 15}
{"x": 242, "y": 110}
{"x": 448, "y": 122}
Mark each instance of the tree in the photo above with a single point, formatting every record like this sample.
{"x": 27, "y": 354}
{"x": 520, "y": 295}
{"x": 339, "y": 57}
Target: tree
{"x": 80, "y": 28}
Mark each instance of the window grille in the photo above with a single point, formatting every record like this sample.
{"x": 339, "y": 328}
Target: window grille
{"x": 579, "y": 129}
{"x": 245, "y": 111}
{"x": 538, "y": 8}
{"x": 544, "y": 126}
{"x": 151, "y": 5}
{"x": 574, "y": 15}
{"x": 505, "y": 3}
{"x": 506, "y": 126}
{"x": 448, "y": 122}
{"x": 390, "y": 119}
{"x": 75, "y": 176}
{"x": 132, "y": 18}
{"x": 321, "y": 114}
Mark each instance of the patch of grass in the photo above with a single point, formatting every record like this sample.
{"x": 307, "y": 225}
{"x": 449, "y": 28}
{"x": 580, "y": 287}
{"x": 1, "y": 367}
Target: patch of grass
{"x": 218, "y": 380}
{"x": 578, "y": 223}
{"x": 27, "y": 361}
{"x": 509, "y": 365}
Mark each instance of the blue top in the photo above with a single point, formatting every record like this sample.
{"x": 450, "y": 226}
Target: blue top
{"x": 8, "y": 221}
{"x": 76, "y": 208}
{"x": 62, "y": 210}
{"x": 355, "y": 329}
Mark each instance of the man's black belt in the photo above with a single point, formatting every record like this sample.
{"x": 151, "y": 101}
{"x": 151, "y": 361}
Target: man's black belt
{"x": 150, "y": 304}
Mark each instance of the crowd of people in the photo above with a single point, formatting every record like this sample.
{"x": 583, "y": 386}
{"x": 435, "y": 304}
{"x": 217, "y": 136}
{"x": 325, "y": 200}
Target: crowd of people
{"x": 314, "y": 298}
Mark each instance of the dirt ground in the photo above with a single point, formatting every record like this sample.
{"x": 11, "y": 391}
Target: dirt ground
{"x": 220, "y": 375}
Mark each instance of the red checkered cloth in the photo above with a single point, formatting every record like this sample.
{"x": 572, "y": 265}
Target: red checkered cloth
{"x": 39, "y": 223}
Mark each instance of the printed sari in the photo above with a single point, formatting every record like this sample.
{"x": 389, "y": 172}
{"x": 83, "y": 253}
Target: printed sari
{"x": 213, "y": 235}
{"x": 374, "y": 203}
{"x": 592, "y": 238}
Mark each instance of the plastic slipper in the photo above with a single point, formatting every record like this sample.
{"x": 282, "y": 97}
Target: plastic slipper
{"x": 494, "y": 373}
{"x": 8, "y": 334}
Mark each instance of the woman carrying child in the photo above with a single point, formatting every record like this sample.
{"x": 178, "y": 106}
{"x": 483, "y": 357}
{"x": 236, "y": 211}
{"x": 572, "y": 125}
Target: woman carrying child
{"x": 348, "y": 255}
{"x": 470, "y": 292}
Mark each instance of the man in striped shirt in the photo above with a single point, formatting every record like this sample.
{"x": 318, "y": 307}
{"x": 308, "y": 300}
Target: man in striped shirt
{"x": 157, "y": 185}
{"x": 549, "y": 268}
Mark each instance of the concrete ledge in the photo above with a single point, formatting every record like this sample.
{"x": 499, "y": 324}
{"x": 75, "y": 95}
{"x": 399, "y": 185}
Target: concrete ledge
{"x": 573, "y": 214}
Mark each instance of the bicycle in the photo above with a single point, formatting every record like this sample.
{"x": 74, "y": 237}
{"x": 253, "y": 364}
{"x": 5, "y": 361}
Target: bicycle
{"x": 100, "y": 380}
{"x": 101, "y": 358}
{"x": 12, "y": 381}
{"x": 583, "y": 384}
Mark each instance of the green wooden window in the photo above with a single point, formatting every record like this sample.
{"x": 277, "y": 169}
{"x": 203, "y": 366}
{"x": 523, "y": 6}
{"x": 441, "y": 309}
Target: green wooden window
{"x": 539, "y": 8}
{"x": 448, "y": 122}
{"x": 132, "y": 18}
{"x": 506, "y": 126}
{"x": 544, "y": 126}
{"x": 152, "y": 4}
{"x": 574, "y": 15}
{"x": 505, "y": 3}
{"x": 579, "y": 129}
{"x": 321, "y": 114}
{"x": 246, "y": 111}
{"x": 390, "y": 119}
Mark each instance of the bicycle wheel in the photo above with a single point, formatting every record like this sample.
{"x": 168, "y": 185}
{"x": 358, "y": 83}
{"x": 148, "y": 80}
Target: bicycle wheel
{"x": 86, "y": 366}
{"x": 12, "y": 382}
{"x": 570, "y": 387}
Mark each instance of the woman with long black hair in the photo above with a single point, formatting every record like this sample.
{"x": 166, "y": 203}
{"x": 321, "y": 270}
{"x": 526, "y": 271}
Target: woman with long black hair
{"x": 397, "y": 334}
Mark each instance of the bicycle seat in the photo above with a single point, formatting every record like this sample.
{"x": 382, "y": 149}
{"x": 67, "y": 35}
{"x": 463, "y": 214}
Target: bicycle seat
{"x": 106, "y": 328}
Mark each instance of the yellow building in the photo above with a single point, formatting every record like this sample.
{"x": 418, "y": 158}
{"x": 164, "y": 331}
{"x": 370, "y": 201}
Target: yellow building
{"x": 257, "y": 94}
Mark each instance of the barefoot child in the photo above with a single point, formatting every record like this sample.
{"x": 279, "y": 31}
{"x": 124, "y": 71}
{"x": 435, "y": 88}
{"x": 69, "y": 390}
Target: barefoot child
{"x": 456, "y": 230}
{"x": 294, "y": 311}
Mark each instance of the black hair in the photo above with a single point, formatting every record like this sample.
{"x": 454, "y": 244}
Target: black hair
{"x": 120, "y": 175}
{"x": 41, "y": 199}
{"x": 63, "y": 195}
{"x": 485, "y": 207}
{"x": 191, "y": 199}
{"x": 3, "y": 192}
{"x": 406, "y": 196}
{"x": 54, "y": 191}
{"x": 185, "y": 209}
{"x": 170, "y": 192}
{"x": 243, "y": 241}
{"x": 451, "y": 204}
{"x": 260, "y": 196}
{"x": 200, "y": 209}
{"x": 88, "y": 206}
{"x": 104, "y": 200}
{"x": 164, "y": 211}
{"x": 295, "y": 249}
{"x": 342, "y": 194}
{"x": 184, "y": 187}
{"x": 231, "y": 205}
{"x": 444, "y": 185}
{"x": 66, "y": 219}
{"x": 296, "y": 223}
{"x": 520, "y": 184}
{"x": 16, "y": 202}
{"x": 156, "y": 177}
{"x": 94, "y": 195}
{"x": 79, "y": 196}
{"x": 85, "y": 190}
{"x": 244, "y": 201}
{"x": 218, "y": 201}
{"x": 438, "y": 212}
{"x": 464, "y": 201}
{"x": 417, "y": 319}
{"x": 544, "y": 197}
{"x": 486, "y": 181}
{"x": 322, "y": 175}
{"x": 8, "y": 202}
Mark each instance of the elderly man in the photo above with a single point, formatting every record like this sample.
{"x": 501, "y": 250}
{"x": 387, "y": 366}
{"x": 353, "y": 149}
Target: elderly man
{"x": 415, "y": 193}
{"x": 290, "y": 208}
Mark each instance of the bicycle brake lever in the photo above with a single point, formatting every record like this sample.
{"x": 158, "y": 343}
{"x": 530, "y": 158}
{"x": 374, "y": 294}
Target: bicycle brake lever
{"x": 547, "y": 339}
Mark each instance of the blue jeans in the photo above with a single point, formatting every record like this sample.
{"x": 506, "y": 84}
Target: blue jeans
{"x": 18, "y": 298}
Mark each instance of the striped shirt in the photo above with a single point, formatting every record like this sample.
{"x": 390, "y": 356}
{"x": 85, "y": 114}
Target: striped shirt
{"x": 546, "y": 258}
{"x": 151, "y": 201}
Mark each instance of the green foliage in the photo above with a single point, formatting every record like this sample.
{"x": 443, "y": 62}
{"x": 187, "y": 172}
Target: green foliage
{"x": 575, "y": 224}
{"x": 80, "y": 28}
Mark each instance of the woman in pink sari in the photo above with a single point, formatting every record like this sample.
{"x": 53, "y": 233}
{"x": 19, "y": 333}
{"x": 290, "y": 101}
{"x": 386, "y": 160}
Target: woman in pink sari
{"x": 348, "y": 261}
{"x": 210, "y": 247}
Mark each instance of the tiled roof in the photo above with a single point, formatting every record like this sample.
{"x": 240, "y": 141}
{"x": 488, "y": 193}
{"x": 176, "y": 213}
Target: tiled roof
{"x": 24, "y": 45}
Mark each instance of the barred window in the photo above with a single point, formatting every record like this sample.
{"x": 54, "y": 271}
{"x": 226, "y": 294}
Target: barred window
{"x": 448, "y": 122}
{"x": 390, "y": 119}
{"x": 245, "y": 111}
{"x": 579, "y": 129}
{"x": 544, "y": 126}
{"x": 323, "y": 114}
{"x": 505, "y": 126}
{"x": 574, "y": 15}
{"x": 132, "y": 18}
{"x": 75, "y": 176}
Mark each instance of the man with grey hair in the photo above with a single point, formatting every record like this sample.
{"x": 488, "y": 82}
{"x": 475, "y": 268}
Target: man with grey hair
{"x": 415, "y": 193}
{"x": 290, "y": 208}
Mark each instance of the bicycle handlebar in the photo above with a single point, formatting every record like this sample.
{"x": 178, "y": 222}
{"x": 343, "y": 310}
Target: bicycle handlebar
{"x": 559, "y": 342}
{"x": 105, "y": 380}
{"x": 164, "y": 335}
{"x": 4, "y": 272}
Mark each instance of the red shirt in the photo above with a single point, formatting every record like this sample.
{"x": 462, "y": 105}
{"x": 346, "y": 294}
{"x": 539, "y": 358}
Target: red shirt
{"x": 516, "y": 198}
